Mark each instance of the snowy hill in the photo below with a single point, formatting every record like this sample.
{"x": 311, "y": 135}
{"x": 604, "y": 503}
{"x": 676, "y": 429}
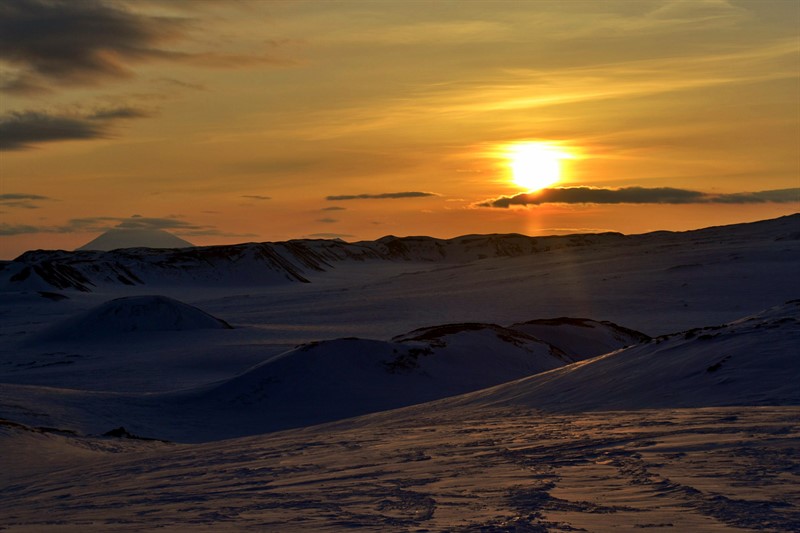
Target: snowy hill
{"x": 132, "y": 314}
{"x": 313, "y": 383}
{"x": 688, "y": 431}
{"x": 116, "y": 238}
{"x": 751, "y": 361}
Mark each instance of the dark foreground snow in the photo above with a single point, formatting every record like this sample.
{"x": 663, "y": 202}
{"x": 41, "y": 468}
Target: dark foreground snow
{"x": 587, "y": 425}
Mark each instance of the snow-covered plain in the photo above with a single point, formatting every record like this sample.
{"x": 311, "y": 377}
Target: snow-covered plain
{"x": 484, "y": 383}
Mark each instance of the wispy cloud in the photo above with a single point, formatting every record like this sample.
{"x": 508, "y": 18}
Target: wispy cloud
{"x": 22, "y": 200}
{"x": 327, "y": 220}
{"x": 104, "y": 223}
{"x": 329, "y": 235}
{"x": 334, "y": 208}
{"x": 23, "y": 130}
{"x": 256, "y": 197}
{"x": 638, "y": 195}
{"x": 380, "y": 196}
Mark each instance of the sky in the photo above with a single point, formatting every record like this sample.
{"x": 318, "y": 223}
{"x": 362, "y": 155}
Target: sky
{"x": 236, "y": 121}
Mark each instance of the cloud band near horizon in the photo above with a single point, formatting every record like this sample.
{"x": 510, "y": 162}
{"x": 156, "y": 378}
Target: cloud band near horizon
{"x": 135, "y": 222}
{"x": 638, "y": 195}
{"x": 381, "y": 196}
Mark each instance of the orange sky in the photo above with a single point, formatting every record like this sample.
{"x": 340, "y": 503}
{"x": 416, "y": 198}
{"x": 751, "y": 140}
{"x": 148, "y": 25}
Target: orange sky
{"x": 226, "y": 122}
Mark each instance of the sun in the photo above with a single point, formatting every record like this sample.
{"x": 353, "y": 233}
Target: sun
{"x": 535, "y": 165}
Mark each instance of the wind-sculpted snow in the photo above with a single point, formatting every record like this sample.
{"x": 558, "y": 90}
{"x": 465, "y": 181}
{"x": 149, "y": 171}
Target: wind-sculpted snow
{"x": 751, "y": 361}
{"x": 434, "y": 468}
{"x": 132, "y": 314}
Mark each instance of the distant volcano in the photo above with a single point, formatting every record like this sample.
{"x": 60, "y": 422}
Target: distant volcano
{"x": 135, "y": 238}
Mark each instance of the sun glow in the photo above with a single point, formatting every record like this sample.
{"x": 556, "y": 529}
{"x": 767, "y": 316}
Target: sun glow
{"x": 535, "y": 165}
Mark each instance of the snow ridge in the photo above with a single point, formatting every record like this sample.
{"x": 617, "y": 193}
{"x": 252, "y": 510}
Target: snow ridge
{"x": 298, "y": 260}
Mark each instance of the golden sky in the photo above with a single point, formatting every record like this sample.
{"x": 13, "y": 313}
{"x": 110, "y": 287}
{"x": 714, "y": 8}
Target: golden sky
{"x": 231, "y": 121}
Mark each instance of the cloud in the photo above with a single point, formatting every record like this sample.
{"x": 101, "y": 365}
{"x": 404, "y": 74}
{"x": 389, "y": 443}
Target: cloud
{"x": 381, "y": 196}
{"x": 78, "y": 42}
{"x": 52, "y": 43}
{"x": 329, "y": 235}
{"x": 21, "y": 200}
{"x": 118, "y": 112}
{"x": 17, "y": 229}
{"x": 256, "y": 197}
{"x": 327, "y": 220}
{"x": 777, "y": 196}
{"x": 334, "y": 208}
{"x": 637, "y": 195}
{"x": 100, "y": 224}
{"x": 22, "y": 130}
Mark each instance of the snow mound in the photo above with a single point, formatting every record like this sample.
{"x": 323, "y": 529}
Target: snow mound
{"x": 581, "y": 338}
{"x": 331, "y": 380}
{"x": 751, "y": 361}
{"x": 118, "y": 238}
{"x": 133, "y": 314}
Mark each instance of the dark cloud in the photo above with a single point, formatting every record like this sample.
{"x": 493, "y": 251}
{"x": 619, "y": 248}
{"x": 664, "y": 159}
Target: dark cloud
{"x": 22, "y": 84}
{"x": 256, "y": 197}
{"x": 53, "y": 43}
{"x": 637, "y": 195}
{"x": 334, "y": 208}
{"x": 78, "y": 42}
{"x": 777, "y": 196}
{"x": 119, "y": 113}
{"x": 99, "y": 224}
{"x": 329, "y": 235}
{"x": 382, "y": 196}
{"x": 17, "y": 229}
{"x": 22, "y": 130}
{"x": 327, "y": 220}
{"x": 140, "y": 222}
{"x": 22, "y": 200}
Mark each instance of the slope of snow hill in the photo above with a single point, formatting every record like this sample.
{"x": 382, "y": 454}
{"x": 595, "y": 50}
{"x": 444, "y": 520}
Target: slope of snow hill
{"x": 132, "y": 314}
{"x": 751, "y": 361}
